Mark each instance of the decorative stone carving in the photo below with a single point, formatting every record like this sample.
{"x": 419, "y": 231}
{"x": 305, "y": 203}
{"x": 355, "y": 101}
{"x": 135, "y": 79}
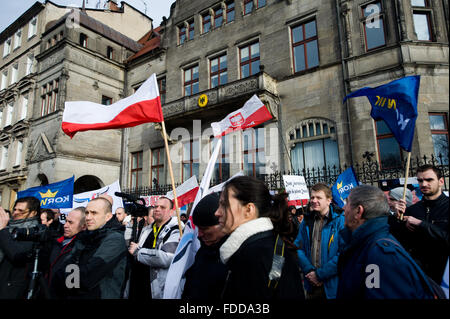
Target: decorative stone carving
{"x": 241, "y": 88}
{"x": 172, "y": 109}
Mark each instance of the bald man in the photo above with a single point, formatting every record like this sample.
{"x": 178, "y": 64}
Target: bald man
{"x": 100, "y": 255}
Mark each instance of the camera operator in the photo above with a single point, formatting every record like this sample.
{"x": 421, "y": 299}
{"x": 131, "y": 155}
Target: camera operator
{"x": 16, "y": 256}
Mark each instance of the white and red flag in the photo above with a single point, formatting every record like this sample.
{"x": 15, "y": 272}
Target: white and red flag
{"x": 186, "y": 192}
{"x": 253, "y": 113}
{"x": 142, "y": 107}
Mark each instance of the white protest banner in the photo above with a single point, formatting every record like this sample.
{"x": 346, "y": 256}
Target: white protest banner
{"x": 296, "y": 187}
{"x": 83, "y": 199}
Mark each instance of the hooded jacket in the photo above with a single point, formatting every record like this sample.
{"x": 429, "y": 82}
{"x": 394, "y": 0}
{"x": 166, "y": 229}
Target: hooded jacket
{"x": 16, "y": 260}
{"x": 101, "y": 258}
{"x": 160, "y": 257}
{"x": 327, "y": 273}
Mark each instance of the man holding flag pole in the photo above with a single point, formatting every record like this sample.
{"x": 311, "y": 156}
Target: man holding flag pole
{"x": 396, "y": 104}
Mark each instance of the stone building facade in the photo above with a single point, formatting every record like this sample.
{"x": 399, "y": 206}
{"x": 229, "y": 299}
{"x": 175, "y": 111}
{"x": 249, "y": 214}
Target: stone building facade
{"x": 301, "y": 58}
{"x": 76, "y": 56}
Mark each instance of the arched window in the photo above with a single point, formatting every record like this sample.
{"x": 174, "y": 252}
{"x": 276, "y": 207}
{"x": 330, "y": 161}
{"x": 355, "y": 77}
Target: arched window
{"x": 313, "y": 144}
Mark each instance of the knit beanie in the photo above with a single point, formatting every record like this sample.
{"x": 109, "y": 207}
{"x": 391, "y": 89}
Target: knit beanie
{"x": 397, "y": 193}
{"x": 203, "y": 214}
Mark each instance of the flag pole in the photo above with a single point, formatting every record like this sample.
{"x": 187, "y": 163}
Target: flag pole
{"x": 177, "y": 209}
{"x": 406, "y": 180}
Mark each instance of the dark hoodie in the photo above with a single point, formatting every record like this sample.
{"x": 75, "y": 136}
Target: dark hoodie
{"x": 101, "y": 257}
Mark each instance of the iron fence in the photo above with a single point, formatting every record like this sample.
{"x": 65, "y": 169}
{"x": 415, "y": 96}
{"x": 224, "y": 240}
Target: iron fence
{"x": 367, "y": 172}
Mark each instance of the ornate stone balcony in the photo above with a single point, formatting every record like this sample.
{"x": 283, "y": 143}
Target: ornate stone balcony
{"x": 223, "y": 99}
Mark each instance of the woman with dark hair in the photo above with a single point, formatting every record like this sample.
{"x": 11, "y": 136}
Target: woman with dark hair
{"x": 261, "y": 260}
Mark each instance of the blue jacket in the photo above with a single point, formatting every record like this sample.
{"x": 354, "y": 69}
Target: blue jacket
{"x": 327, "y": 273}
{"x": 373, "y": 265}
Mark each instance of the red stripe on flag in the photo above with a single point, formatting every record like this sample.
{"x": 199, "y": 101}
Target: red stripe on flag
{"x": 187, "y": 197}
{"x": 135, "y": 114}
{"x": 261, "y": 115}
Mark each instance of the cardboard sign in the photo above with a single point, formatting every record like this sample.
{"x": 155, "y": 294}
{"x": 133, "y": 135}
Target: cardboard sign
{"x": 296, "y": 187}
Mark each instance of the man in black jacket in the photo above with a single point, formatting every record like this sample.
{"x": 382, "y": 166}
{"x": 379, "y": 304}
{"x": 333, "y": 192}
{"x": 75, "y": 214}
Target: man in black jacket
{"x": 424, "y": 230}
{"x": 96, "y": 265}
{"x": 61, "y": 247}
{"x": 16, "y": 257}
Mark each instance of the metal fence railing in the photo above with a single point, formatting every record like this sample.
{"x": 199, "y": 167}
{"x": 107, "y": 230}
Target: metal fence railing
{"x": 367, "y": 172}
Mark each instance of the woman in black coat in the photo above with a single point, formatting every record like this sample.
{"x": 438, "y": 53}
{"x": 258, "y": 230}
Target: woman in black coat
{"x": 258, "y": 225}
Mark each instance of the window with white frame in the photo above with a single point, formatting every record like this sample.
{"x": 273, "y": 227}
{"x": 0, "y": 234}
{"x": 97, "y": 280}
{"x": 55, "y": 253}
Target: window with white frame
{"x": 32, "y": 27}
{"x": 14, "y": 73}
{"x": 29, "y": 66}
{"x": 19, "y": 148}
{"x": 9, "y": 114}
{"x": 18, "y": 39}
{"x": 4, "y": 157}
{"x": 7, "y": 47}
{"x": 4, "y": 80}
{"x": 24, "y": 108}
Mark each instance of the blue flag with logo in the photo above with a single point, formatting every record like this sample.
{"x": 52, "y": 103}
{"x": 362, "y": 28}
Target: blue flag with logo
{"x": 56, "y": 195}
{"x": 396, "y": 104}
{"x": 344, "y": 184}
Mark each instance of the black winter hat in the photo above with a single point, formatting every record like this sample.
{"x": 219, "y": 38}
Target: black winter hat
{"x": 203, "y": 214}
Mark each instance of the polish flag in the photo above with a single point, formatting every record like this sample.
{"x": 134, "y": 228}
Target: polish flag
{"x": 186, "y": 192}
{"x": 253, "y": 113}
{"x": 142, "y": 107}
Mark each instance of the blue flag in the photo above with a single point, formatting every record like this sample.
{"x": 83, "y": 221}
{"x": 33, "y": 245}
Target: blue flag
{"x": 56, "y": 195}
{"x": 396, "y": 104}
{"x": 344, "y": 184}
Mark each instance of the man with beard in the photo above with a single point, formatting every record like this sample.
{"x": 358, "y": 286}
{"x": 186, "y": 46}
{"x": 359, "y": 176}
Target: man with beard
{"x": 424, "y": 228}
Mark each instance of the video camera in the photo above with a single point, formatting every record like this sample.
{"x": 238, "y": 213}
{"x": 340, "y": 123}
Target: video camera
{"x": 132, "y": 205}
{"x": 38, "y": 234}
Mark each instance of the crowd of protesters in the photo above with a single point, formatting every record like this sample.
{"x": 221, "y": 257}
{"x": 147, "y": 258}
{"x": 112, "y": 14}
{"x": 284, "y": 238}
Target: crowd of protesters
{"x": 253, "y": 246}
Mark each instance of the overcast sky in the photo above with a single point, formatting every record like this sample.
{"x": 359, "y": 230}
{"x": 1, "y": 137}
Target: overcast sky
{"x": 12, "y": 9}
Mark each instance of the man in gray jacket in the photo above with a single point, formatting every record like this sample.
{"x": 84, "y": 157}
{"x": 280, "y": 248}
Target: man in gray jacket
{"x": 157, "y": 245}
